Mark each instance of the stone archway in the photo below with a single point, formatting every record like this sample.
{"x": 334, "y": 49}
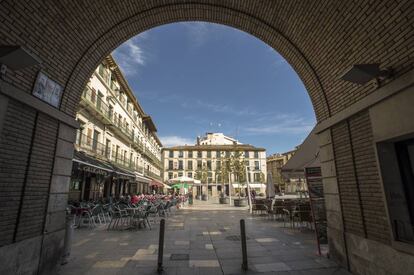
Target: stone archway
{"x": 319, "y": 39}
{"x": 165, "y": 14}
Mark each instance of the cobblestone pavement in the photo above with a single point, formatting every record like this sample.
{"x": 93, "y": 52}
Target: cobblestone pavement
{"x": 198, "y": 241}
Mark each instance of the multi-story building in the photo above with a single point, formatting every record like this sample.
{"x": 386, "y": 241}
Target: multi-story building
{"x": 274, "y": 165}
{"x": 208, "y": 156}
{"x": 117, "y": 148}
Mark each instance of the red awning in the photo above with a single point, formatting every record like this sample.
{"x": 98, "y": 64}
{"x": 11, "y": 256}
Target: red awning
{"x": 156, "y": 183}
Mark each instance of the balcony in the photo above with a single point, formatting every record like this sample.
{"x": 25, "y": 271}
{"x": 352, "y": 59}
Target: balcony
{"x": 91, "y": 147}
{"x": 101, "y": 110}
{"x": 96, "y": 106}
{"x": 152, "y": 175}
{"x": 123, "y": 162}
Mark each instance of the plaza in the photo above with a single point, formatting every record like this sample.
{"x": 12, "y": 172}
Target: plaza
{"x": 200, "y": 239}
{"x": 353, "y": 58}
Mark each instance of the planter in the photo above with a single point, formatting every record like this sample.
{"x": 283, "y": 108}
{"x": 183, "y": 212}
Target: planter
{"x": 204, "y": 197}
{"x": 224, "y": 200}
{"x": 240, "y": 202}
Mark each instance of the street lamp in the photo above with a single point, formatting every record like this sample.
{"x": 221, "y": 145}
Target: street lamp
{"x": 362, "y": 73}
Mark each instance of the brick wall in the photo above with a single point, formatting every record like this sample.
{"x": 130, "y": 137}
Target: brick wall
{"x": 320, "y": 39}
{"x": 36, "y": 191}
{"x": 358, "y": 179}
{"x": 15, "y": 144}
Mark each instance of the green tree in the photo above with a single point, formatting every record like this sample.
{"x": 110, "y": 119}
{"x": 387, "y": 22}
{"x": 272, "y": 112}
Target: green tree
{"x": 202, "y": 173}
{"x": 238, "y": 169}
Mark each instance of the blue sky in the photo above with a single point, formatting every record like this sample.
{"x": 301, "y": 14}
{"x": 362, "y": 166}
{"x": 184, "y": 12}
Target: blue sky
{"x": 198, "y": 77}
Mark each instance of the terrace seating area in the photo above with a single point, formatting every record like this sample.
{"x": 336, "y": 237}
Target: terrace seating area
{"x": 139, "y": 212}
{"x": 294, "y": 212}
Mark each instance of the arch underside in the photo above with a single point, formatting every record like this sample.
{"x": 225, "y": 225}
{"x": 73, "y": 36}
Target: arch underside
{"x": 140, "y": 22}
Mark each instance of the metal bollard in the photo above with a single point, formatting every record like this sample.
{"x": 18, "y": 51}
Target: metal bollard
{"x": 161, "y": 246}
{"x": 243, "y": 244}
{"x": 68, "y": 238}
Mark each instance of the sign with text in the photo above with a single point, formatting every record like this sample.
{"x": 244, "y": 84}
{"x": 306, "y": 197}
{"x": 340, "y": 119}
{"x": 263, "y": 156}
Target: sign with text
{"x": 47, "y": 90}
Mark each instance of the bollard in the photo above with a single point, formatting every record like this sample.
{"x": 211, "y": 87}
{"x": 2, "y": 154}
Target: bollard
{"x": 243, "y": 244}
{"x": 161, "y": 246}
{"x": 68, "y": 238}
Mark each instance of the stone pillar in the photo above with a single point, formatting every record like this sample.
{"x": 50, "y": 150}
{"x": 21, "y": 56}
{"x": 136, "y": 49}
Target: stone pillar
{"x": 54, "y": 232}
{"x": 336, "y": 239}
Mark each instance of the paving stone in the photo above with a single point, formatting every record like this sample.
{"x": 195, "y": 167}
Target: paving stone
{"x": 270, "y": 249}
{"x": 271, "y": 267}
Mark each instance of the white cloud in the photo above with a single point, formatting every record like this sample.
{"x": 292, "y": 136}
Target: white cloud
{"x": 169, "y": 141}
{"x": 130, "y": 55}
{"x": 198, "y": 32}
{"x": 281, "y": 124}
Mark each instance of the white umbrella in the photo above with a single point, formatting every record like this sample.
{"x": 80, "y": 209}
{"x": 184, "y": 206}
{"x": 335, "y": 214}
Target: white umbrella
{"x": 270, "y": 187}
{"x": 182, "y": 179}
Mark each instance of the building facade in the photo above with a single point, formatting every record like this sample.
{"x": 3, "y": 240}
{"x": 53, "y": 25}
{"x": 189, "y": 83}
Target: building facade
{"x": 117, "y": 148}
{"x": 206, "y": 161}
{"x": 274, "y": 164}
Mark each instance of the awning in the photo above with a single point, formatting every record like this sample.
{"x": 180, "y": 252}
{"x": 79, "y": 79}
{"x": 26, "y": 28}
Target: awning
{"x": 305, "y": 156}
{"x": 122, "y": 173}
{"x": 92, "y": 165}
{"x": 252, "y": 185}
{"x": 141, "y": 178}
{"x": 156, "y": 183}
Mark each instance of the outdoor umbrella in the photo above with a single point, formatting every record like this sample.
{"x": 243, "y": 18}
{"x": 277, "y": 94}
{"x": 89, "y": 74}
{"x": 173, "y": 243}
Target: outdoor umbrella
{"x": 183, "y": 179}
{"x": 182, "y": 183}
{"x": 179, "y": 185}
{"x": 270, "y": 188}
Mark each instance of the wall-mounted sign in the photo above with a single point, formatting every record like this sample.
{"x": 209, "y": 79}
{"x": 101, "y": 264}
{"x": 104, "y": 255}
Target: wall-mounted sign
{"x": 95, "y": 171}
{"x": 47, "y": 90}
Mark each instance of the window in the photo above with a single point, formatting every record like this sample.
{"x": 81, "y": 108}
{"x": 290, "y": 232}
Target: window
{"x": 89, "y": 137}
{"x": 190, "y": 174}
{"x": 227, "y": 154}
{"x": 246, "y": 154}
{"x": 171, "y": 154}
{"x": 209, "y": 154}
{"x": 107, "y": 148}
{"x": 180, "y": 154}
{"x": 218, "y": 165}
{"x": 190, "y": 154}
{"x": 180, "y": 174}
{"x": 397, "y": 167}
{"x": 170, "y": 175}
{"x": 199, "y": 154}
{"x": 209, "y": 164}
{"x": 180, "y": 165}
{"x": 256, "y": 177}
{"x": 218, "y": 154}
{"x": 199, "y": 164}
{"x": 170, "y": 165}
{"x": 256, "y": 165}
{"x": 190, "y": 165}
{"x": 256, "y": 154}
{"x": 93, "y": 95}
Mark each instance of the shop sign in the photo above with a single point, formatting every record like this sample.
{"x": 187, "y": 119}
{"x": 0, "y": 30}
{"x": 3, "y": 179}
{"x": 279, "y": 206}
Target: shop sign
{"x": 95, "y": 170}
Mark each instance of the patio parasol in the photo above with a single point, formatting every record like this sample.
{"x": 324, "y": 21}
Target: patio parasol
{"x": 270, "y": 187}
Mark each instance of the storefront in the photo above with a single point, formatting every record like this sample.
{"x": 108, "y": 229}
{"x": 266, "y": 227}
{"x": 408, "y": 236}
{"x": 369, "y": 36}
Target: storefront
{"x": 89, "y": 177}
{"x": 142, "y": 184}
{"x": 156, "y": 186}
{"x": 123, "y": 182}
